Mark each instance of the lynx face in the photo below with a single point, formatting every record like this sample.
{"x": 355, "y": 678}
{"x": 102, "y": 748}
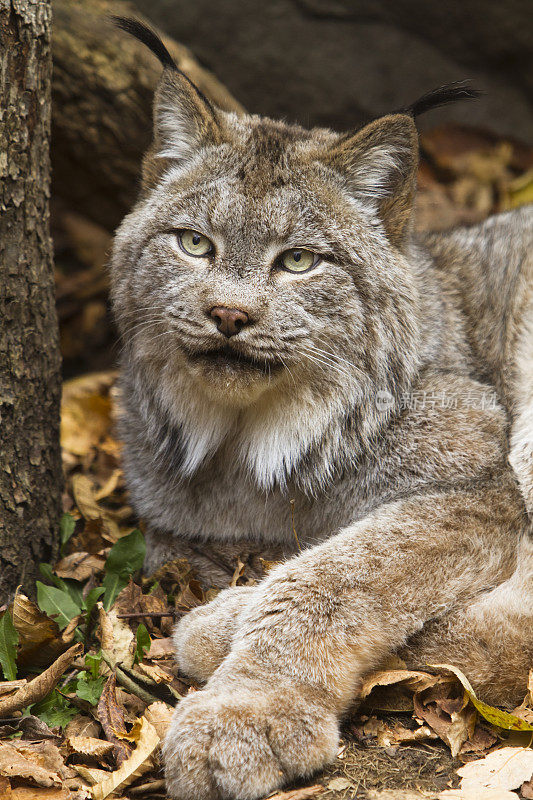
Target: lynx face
{"x": 254, "y": 261}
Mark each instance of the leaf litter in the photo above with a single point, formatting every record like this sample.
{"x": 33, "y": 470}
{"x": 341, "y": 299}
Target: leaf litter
{"x": 89, "y": 676}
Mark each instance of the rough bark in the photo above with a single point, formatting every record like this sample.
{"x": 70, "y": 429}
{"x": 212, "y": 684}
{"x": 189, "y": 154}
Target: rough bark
{"x": 103, "y": 86}
{"x": 30, "y": 467}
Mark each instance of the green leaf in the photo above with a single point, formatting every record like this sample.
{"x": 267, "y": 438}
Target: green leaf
{"x": 57, "y": 603}
{"x": 125, "y": 557}
{"x": 143, "y": 642}
{"x": 67, "y": 523}
{"x": 48, "y": 574}
{"x": 92, "y": 598}
{"x": 8, "y": 641}
{"x": 92, "y": 662}
{"x": 55, "y": 710}
{"x": 113, "y": 585}
{"x": 90, "y": 688}
{"x": 72, "y": 587}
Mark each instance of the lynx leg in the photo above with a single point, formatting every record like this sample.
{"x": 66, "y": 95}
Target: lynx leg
{"x": 491, "y": 640}
{"x": 270, "y": 712}
{"x": 203, "y": 637}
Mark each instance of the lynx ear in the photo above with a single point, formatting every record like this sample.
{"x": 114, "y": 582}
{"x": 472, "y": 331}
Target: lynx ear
{"x": 184, "y": 119}
{"x": 379, "y": 164}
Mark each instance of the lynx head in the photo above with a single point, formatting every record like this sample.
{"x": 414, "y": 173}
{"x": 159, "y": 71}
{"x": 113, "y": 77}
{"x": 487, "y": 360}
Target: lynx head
{"x": 267, "y": 266}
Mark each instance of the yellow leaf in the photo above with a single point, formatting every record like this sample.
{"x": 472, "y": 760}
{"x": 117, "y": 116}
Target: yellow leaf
{"x": 502, "y": 719}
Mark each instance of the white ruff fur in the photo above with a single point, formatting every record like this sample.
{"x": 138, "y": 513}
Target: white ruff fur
{"x": 269, "y": 436}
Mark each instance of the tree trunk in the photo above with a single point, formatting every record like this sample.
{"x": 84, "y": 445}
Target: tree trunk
{"x": 30, "y": 466}
{"x": 103, "y": 85}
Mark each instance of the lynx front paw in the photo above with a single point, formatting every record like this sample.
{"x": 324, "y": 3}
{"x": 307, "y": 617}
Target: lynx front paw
{"x": 203, "y": 637}
{"x": 242, "y": 743}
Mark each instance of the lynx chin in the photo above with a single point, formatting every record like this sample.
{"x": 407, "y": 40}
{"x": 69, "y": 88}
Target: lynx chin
{"x": 291, "y": 346}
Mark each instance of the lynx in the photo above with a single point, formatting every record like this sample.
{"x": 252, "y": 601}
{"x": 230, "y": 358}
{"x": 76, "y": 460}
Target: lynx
{"x": 303, "y": 376}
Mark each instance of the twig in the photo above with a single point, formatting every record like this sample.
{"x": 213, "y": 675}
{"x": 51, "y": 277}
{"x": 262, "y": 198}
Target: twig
{"x": 153, "y": 786}
{"x": 292, "y": 502}
{"x": 149, "y": 614}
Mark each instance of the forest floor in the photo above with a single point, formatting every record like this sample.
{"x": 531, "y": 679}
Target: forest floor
{"x": 89, "y": 675}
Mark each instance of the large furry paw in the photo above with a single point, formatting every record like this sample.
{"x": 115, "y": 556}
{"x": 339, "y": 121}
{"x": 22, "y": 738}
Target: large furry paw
{"x": 242, "y": 741}
{"x": 203, "y": 637}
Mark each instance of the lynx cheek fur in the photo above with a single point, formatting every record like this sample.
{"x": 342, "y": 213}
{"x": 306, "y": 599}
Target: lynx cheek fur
{"x": 362, "y": 388}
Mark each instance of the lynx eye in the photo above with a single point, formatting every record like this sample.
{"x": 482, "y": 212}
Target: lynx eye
{"x": 298, "y": 260}
{"x": 194, "y": 243}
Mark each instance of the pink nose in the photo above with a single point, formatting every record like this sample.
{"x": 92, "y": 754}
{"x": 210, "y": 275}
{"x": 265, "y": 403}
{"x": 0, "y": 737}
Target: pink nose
{"x": 229, "y": 321}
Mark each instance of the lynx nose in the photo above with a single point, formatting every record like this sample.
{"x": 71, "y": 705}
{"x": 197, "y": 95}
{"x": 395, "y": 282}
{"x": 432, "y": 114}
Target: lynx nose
{"x": 229, "y": 321}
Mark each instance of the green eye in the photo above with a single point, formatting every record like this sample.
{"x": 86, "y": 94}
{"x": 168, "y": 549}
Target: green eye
{"x": 298, "y": 260}
{"x": 194, "y": 243}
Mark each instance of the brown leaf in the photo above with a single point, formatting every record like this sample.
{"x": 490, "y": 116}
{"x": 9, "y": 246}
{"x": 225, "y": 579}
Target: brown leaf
{"x": 85, "y": 412}
{"x": 526, "y": 790}
{"x": 174, "y": 573}
{"x": 79, "y": 566}
{"x": 27, "y": 793}
{"x": 112, "y": 720}
{"x": 139, "y": 762}
{"x": 85, "y": 497}
{"x": 40, "y": 686}
{"x": 305, "y": 793}
{"x": 82, "y": 725}
{"x": 190, "y": 597}
{"x": 411, "y": 679}
{"x": 89, "y": 746}
{"x": 159, "y": 715}
{"x": 453, "y": 728}
{"x": 40, "y": 640}
{"x": 41, "y": 766}
{"x": 505, "y": 769}
{"x": 399, "y": 734}
{"x": 160, "y": 648}
{"x": 131, "y": 600}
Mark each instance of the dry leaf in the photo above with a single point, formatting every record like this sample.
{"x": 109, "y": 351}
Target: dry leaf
{"x": 306, "y": 793}
{"x": 82, "y": 726}
{"x": 452, "y": 720}
{"x": 136, "y": 765}
{"x": 79, "y": 566}
{"x": 112, "y": 720}
{"x": 85, "y": 497}
{"x": 14, "y": 764}
{"x": 504, "y": 769}
{"x": 155, "y": 673}
{"x": 477, "y": 794}
{"x": 160, "y": 648}
{"x": 91, "y": 775}
{"x": 392, "y": 737}
{"x": 339, "y": 784}
{"x": 40, "y": 686}
{"x": 28, "y": 793}
{"x": 40, "y": 640}
{"x": 160, "y": 716}
{"x": 116, "y": 637}
{"x": 85, "y": 412}
{"x": 502, "y": 719}
{"x": 89, "y": 746}
{"x": 412, "y": 679}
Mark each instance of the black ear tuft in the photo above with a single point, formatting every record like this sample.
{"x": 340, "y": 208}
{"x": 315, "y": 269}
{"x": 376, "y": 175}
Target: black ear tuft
{"x": 148, "y": 37}
{"x": 449, "y": 93}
